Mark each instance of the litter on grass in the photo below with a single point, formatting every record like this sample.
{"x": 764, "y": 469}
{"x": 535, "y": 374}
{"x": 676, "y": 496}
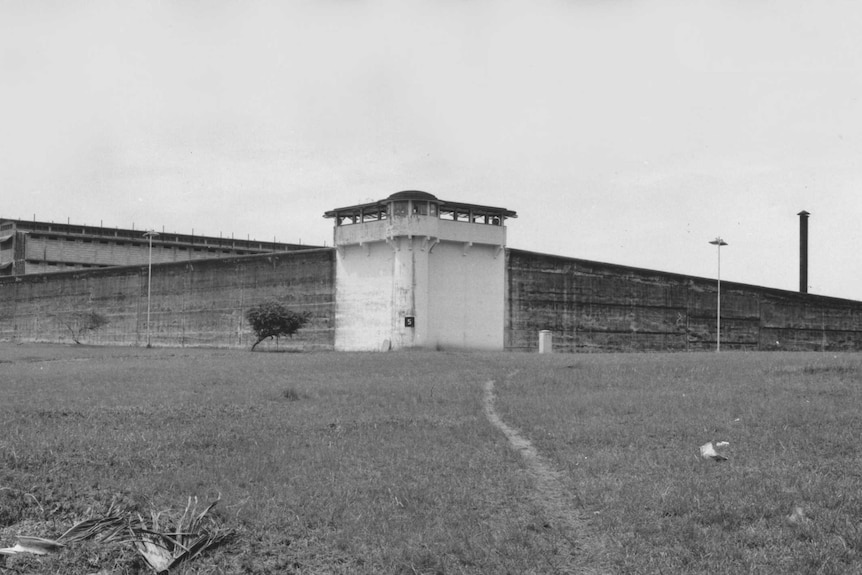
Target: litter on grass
{"x": 707, "y": 451}
{"x": 33, "y": 545}
{"x": 798, "y": 516}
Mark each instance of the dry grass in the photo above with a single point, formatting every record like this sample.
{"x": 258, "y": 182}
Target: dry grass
{"x": 385, "y": 463}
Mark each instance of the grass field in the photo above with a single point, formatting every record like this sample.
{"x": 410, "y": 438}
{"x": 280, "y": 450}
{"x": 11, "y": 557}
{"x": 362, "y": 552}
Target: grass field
{"x": 386, "y": 463}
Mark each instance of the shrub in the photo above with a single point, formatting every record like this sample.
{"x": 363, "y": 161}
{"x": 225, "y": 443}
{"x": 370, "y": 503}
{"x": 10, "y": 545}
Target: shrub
{"x": 271, "y": 319}
{"x": 80, "y": 322}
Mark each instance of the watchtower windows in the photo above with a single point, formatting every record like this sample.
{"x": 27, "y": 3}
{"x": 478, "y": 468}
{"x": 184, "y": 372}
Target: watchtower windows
{"x": 415, "y": 203}
{"x": 400, "y": 209}
{"x": 373, "y": 215}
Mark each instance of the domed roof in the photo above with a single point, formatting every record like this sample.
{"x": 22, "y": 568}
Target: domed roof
{"x": 413, "y": 195}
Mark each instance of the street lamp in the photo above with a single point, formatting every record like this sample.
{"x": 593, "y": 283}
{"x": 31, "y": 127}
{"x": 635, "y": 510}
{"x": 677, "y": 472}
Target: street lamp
{"x": 149, "y": 235}
{"x": 718, "y": 242}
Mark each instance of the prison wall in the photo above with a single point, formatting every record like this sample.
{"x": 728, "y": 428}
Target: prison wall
{"x": 592, "y": 306}
{"x": 193, "y": 303}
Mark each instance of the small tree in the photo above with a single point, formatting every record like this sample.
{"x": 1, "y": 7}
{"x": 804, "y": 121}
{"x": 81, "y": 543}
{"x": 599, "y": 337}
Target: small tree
{"x": 80, "y": 322}
{"x": 271, "y": 319}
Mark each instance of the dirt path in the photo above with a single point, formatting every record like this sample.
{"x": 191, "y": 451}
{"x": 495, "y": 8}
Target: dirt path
{"x": 579, "y": 549}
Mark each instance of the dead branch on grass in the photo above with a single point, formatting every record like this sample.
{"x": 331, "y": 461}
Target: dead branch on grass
{"x": 164, "y": 541}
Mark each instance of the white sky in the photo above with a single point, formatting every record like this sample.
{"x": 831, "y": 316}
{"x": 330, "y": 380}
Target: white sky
{"x": 623, "y": 131}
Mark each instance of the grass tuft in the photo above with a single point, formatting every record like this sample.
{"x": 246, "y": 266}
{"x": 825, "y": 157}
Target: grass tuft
{"x": 12, "y": 506}
{"x": 291, "y": 394}
{"x": 829, "y": 369}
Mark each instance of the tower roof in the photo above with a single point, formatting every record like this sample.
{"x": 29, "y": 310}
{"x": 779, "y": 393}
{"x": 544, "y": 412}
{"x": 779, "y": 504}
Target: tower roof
{"x": 413, "y": 195}
{"x": 445, "y": 206}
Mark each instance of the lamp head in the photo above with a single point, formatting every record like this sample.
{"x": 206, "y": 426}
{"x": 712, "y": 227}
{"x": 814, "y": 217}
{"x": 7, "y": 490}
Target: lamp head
{"x": 718, "y": 242}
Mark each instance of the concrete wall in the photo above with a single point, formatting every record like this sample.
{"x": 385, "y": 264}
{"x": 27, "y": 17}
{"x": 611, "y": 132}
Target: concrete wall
{"x": 453, "y": 291}
{"x": 467, "y": 296}
{"x": 197, "y": 303}
{"x": 447, "y": 276}
{"x": 592, "y": 306}
{"x": 464, "y": 296}
{"x": 363, "y": 309}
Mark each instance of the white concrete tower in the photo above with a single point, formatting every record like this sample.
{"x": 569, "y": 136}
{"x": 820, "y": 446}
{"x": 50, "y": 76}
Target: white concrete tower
{"x": 415, "y": 271}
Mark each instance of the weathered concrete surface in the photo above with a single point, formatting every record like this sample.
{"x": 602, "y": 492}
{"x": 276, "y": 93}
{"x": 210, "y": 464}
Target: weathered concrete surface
{"x": 418, "y": 281}
{"x": 588, "y": 306}
{"x": 467, "y": 296}
{"x": 200, "y": 303}
{"x": 364, "y": 306}
{"x": 592, "y": 306}
{"x": 454, "y": 294}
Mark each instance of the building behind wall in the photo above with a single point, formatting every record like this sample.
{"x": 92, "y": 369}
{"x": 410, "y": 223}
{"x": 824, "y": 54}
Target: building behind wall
{"x": 28, "y": 247}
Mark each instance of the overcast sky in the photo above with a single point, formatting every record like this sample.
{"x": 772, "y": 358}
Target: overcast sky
{"x": 630, "y": 132}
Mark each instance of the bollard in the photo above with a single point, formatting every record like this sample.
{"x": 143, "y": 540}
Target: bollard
{"x": 546, "y": 341}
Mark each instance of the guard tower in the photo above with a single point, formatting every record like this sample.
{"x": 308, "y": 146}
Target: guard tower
{"x": 415, "y": 271}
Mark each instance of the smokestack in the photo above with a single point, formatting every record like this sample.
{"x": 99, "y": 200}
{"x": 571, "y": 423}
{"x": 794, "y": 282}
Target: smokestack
{"x": 803, "y": 251}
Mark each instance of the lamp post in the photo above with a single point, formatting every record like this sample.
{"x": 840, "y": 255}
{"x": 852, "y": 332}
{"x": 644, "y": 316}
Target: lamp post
{"x": 718, "y": 242}
{"x": 149, "y": 235}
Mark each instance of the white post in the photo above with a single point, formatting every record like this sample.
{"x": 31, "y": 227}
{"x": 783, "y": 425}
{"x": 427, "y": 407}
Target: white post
{"x": 546, "y": 341}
